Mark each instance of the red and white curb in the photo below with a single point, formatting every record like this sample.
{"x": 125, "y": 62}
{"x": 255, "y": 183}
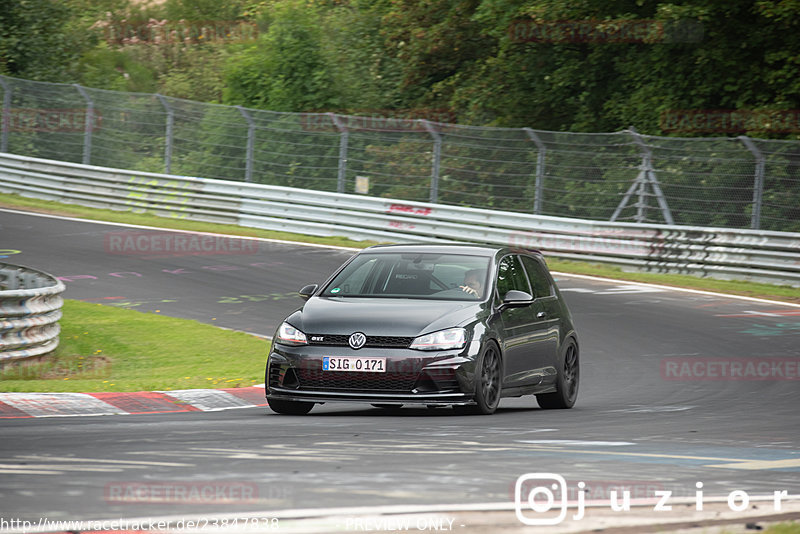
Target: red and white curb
{"x": 25, "y": 405}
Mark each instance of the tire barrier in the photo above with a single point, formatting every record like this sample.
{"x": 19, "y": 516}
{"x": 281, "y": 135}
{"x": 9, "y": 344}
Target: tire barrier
{"x": 30, "y": 308}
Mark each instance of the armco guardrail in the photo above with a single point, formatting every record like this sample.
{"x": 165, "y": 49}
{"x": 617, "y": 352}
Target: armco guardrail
{"x": 30, "y": 307}
{"x": 714, "y": 252}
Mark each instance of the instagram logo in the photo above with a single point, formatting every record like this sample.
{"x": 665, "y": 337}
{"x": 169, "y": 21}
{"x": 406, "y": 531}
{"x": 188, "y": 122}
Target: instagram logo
{"x": 541, "y": 493}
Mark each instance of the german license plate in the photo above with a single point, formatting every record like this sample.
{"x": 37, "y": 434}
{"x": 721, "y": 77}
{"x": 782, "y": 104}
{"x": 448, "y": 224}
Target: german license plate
{"x": 350, "y": 363}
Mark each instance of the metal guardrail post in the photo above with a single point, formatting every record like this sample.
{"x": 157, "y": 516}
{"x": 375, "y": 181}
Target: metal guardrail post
{"x": 437, "y": 157}
{"x": 168, "y": 141}
{"x": 251, "y": 143}
{"x": 344, "y": 139}
{"x": 758, "y": 181}
{"x": 6, "y": 125}
{"x": 88, "y": 125}
{"x": 540, "y": 162}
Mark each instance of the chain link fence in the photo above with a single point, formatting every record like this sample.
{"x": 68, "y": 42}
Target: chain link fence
{"x": 733, "y": 182}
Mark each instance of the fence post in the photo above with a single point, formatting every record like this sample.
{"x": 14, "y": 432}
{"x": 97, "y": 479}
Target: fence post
{"x": 646, "y": 177}
{"x": 168, "y": 142}
{"x": 251, "y": 143}
{"x": 758, "y": 183}
{"x": 88, "y": 125}
{"x": 437, "y": 157}
{"x": 540, "y": 161}
{"x": 344, "y": 139}
{"x": 6, "y": 114}
{"x": 641, "y": 214}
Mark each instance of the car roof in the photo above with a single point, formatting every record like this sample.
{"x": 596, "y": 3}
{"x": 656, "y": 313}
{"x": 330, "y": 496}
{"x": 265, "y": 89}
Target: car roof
{"x": 449, "y": 248}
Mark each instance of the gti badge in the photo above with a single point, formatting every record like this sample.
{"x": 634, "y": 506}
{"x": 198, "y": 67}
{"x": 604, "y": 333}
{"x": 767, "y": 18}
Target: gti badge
{"x": 357, "y": 340}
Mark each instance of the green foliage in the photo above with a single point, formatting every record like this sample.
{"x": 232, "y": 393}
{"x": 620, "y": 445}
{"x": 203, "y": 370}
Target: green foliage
{"x": 160, "y": 61}
{"x": 199, "y": 75}
{"x": 365, "y": 76}
{"x": 105, "y": 68}
{"x": 285, "y": 70}
{"x": 433, "y": 41}
{"x": 36, "y": 41}
{"x": 467, "y": 56}
{"x": 731, "y": 55}
{"x": 204, "y": 10}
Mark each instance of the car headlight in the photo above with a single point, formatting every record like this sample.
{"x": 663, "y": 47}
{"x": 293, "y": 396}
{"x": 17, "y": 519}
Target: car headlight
{"x": 452, "y": 338}
{"x": 289, "y": 335}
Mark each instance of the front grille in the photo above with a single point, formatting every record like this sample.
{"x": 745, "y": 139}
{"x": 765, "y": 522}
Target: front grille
{"x": 355, "y": 381}
{"x": 374, "y": 342}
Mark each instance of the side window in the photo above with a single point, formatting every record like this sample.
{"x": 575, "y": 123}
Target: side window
{"x": 538, "y": 277}
{"x": 510, "y": 275}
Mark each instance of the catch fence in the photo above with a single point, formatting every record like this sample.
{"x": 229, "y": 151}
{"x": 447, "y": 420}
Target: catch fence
{"x": 727, "y": 182}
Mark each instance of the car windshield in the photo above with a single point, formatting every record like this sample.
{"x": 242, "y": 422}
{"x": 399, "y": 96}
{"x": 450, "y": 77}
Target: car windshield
{"x": 412, "y": 275}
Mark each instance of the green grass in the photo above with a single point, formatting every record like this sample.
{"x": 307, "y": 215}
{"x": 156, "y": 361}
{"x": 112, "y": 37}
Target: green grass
{"x": 111, "y": 349}
{"x": 778, "y": 528}
{"x": 752, "y": 289}
{"x": 784, "y": 528}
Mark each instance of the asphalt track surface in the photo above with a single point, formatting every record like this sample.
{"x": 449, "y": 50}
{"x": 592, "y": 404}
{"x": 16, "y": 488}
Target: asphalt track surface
{"x": 638, "y": 421}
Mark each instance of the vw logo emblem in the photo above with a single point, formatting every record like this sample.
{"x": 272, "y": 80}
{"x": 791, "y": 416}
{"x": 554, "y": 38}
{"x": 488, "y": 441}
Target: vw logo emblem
{"x": 357, "y": 340}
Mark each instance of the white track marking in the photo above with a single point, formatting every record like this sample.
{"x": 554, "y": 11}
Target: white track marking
{"x": 679, "y": 289}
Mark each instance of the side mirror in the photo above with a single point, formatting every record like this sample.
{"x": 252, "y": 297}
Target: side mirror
{"x": 517, "y": 299}
{"x": 308, "y": 291}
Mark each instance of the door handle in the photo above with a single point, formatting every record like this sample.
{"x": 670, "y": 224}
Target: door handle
{"x": 541, "y": 315}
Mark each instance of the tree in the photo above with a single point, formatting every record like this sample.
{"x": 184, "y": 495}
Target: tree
{"x": 36, "y": 41}
{"x": 285, "y": 70}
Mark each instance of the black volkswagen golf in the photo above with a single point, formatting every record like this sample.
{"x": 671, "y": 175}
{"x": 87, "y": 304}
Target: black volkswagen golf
{"x": 435, "y": 325}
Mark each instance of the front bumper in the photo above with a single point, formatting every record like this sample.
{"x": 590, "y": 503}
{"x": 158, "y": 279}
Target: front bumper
{"x": 411, "y": 377}
{"x": 430, "y": 399}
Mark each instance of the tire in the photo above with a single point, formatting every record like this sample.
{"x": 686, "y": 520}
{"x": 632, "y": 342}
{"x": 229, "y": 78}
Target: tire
{"x": 287, "y": 407}
{"x": 488, "y": 383}
{"x": 567, "y": 382}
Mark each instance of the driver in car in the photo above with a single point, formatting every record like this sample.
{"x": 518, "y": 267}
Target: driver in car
{"x": 473, "y": 282}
